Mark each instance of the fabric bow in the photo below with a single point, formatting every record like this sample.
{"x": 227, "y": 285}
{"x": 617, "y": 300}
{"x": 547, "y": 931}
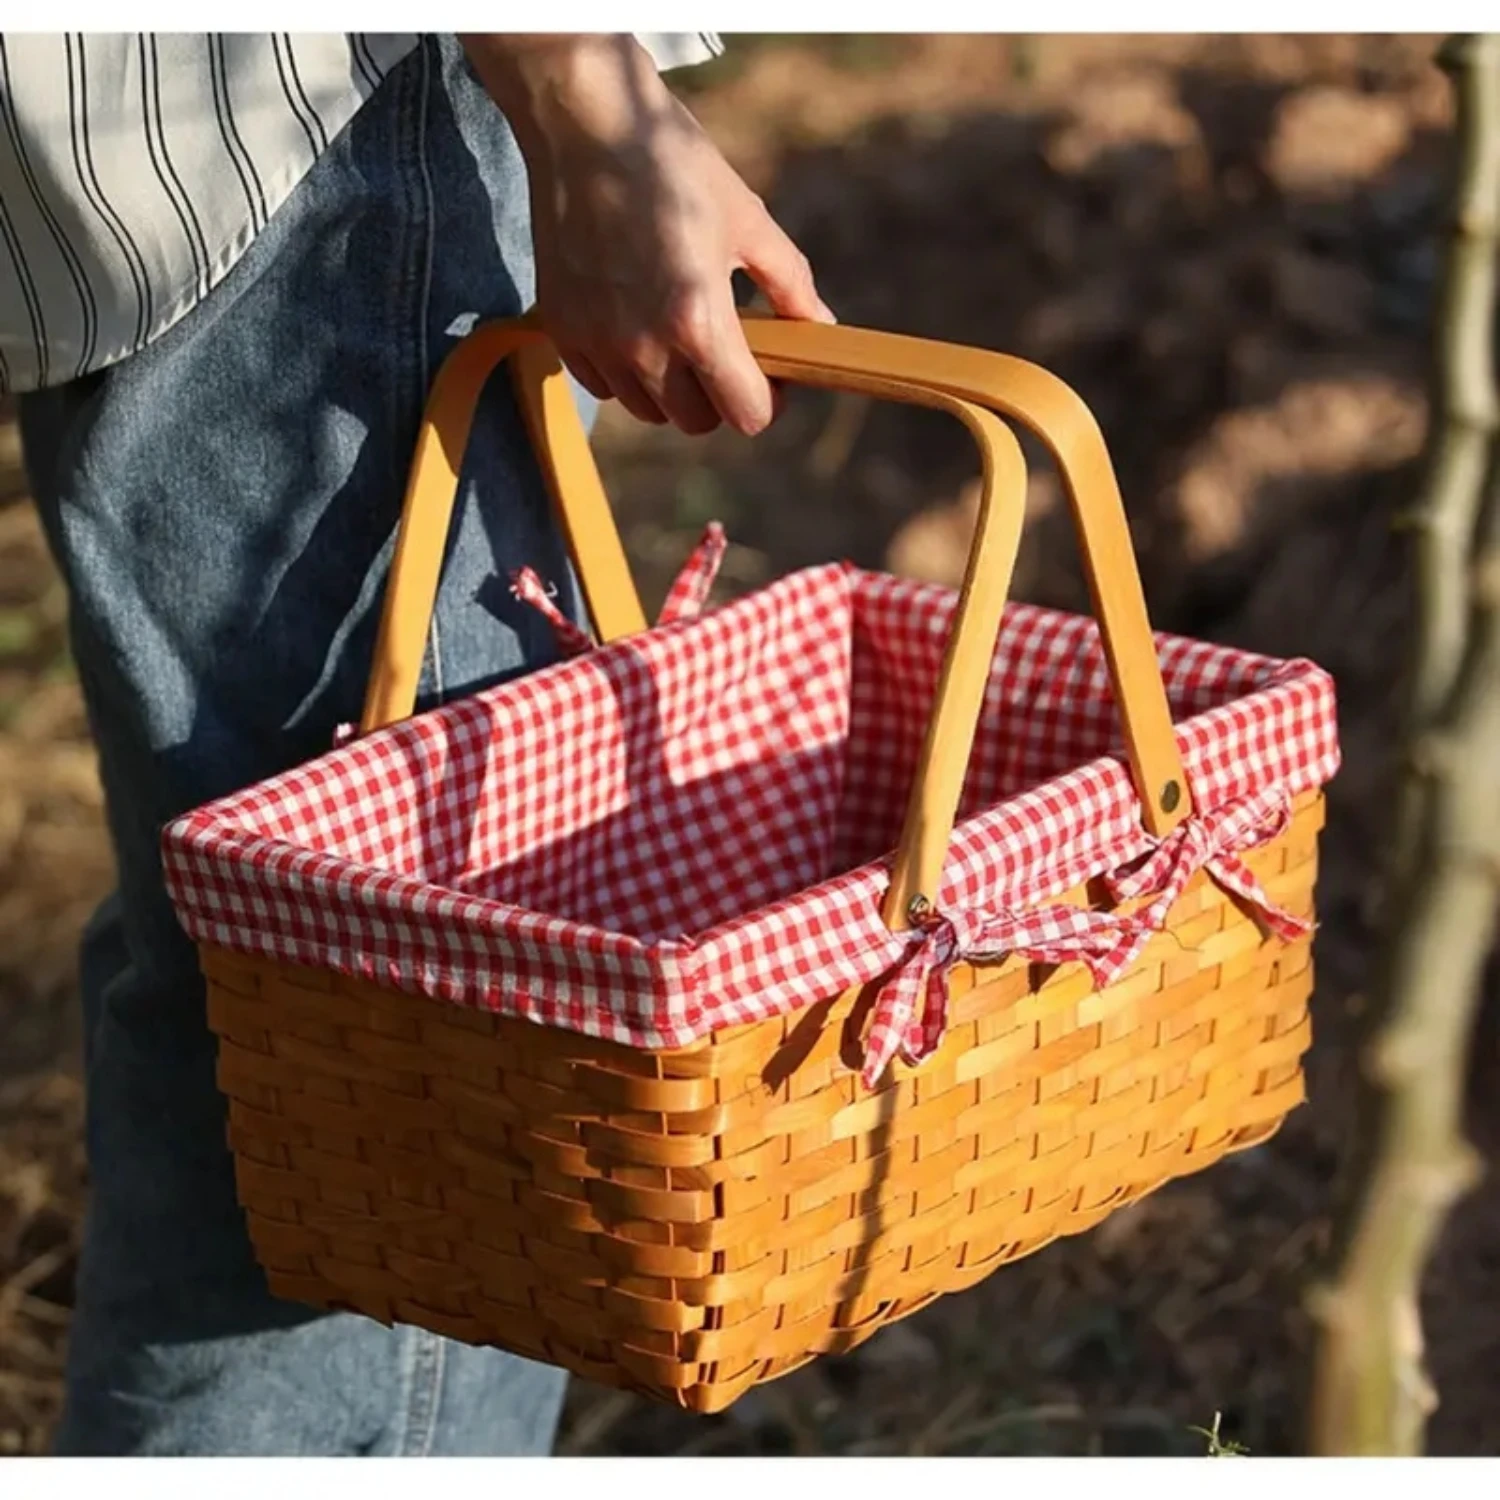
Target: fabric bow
{"x": 1045, "y": 934}
{"x": 1106, "y": 942}
{"x": 1213, "y": 841}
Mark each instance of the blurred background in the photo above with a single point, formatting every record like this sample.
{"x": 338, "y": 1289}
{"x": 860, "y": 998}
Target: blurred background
{"x": 1229, "y": 247}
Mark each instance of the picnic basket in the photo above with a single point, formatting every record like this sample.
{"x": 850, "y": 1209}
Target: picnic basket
{"x": 736, "y": 986}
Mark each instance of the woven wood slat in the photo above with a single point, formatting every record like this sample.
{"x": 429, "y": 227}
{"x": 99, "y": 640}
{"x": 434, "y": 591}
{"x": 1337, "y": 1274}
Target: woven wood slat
{"x": 687, "y": 1223}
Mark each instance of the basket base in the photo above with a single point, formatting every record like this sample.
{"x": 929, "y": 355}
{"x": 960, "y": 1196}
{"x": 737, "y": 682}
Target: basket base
{"x": 721, "y": 1392}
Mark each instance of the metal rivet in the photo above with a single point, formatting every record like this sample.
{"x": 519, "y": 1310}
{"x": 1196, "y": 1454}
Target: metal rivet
{"x": 1171, "y": 795}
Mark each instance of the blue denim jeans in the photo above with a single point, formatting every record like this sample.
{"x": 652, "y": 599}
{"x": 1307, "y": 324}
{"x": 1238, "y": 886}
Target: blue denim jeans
{"x": 222, "y": 505}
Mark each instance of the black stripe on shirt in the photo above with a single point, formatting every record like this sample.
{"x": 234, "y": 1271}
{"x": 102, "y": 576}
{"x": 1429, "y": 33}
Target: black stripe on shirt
{"x": 33, "y": 303}
{"x": 249, "y": 179}
{"x": 363, "y": 43}
{"x": 83, "y": 160}
{"x": 166, "y": 155}
{"x": 70, "y": 258}
{"x": 291, "y": 102}
{"x": 291, "y": 64}
{"x": 357, "y": 57}
{"x": 160, "y": 163}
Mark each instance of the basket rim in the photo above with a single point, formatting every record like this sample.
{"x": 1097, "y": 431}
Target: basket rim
{"x": 663, "y": 983}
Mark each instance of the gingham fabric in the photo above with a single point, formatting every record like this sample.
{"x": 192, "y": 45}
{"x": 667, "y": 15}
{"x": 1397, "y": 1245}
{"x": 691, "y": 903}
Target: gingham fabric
{"x": 691, "y": 829}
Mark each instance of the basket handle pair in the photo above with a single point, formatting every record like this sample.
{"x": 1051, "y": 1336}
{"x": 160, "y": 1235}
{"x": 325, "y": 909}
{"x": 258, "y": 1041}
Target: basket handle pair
{"x": 972, "y": 384}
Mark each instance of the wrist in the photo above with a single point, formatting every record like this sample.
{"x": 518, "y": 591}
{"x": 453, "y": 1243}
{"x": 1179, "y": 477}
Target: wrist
{"x": 553, "y": 87}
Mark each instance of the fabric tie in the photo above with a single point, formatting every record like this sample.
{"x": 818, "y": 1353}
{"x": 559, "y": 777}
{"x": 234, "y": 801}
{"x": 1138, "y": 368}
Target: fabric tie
{"x": 685, "y": 599}
{"x": 910, "y": 1015}
{"x": 1213, "y": 841}
{"x": 572, "y": 640}
{"x": 1046, "y": 934}
{"x": 689, "y": 593}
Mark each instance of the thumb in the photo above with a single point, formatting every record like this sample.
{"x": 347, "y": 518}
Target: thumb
{"x": 781, "y": 271}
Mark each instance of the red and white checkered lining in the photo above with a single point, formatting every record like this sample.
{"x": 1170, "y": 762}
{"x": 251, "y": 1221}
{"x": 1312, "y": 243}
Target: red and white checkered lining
{"x": 690, "y": 829}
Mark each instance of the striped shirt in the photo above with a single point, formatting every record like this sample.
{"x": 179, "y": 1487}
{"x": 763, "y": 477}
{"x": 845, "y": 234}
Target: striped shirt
{"x": 135, "y": 169}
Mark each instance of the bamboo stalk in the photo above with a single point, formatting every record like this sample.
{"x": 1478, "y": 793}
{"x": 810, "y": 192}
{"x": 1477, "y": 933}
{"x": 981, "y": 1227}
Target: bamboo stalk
{"x": 1371, "y": 1393}
{"x": 1465, "y": 412}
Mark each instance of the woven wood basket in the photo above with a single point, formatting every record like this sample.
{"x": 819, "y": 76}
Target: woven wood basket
{"x": 689, "y": 1221}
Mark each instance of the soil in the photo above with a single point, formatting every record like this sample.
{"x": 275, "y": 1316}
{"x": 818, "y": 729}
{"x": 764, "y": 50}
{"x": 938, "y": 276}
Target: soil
{"x": 1228, "y": 246}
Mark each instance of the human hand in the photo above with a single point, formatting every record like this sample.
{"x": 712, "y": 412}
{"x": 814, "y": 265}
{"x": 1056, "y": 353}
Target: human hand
{"x": 639, "y": 224}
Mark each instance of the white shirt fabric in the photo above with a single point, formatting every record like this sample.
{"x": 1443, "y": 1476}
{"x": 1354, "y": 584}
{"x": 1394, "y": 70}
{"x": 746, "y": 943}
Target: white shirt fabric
{"x": 136, "y": 167}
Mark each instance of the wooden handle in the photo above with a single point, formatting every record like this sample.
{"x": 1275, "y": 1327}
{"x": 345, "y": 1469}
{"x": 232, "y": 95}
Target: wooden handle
{"x": 562, "y": 449}
{"x": 973, "y": 385}
{"x": 1058, "y": 416}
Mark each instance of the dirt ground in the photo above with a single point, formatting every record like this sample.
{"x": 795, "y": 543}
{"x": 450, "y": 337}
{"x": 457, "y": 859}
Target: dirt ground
{"x": 1228, "y": 247}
